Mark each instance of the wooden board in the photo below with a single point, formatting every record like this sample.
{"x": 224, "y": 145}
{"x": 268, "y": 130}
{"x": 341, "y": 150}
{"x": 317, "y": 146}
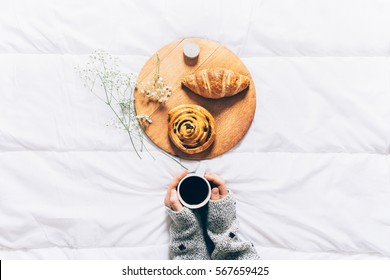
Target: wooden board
{"x": 233, "y": 115}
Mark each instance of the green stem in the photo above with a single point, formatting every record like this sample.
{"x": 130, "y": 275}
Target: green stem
{"x": 116, "y": 114}
{"x": 104, "y": 87}
{"x": 164, "y": 153}
{"x": 110, "y": 95}
{"x": 132, "y": 143}
{"x": 155, "y": 110}
{"x": 157, "y": 75}
{"x": 140, "y": 138}
{"x": 173, "y": 158}
{"x": 128, "y": 132}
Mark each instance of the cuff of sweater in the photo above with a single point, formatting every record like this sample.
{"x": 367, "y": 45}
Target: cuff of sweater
{"x": 223, "y": 202}
{"x": 222, "y": 212}
{"x": 184, "y": 217}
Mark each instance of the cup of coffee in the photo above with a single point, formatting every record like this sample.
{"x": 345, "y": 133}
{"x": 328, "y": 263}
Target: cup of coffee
{"x": 194, "y": 190}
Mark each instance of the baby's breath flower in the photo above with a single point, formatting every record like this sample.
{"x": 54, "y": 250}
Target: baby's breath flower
{"x": 102, "y": 76}
{"x": 145, "y": 118}
{"x": 158, "y": 90}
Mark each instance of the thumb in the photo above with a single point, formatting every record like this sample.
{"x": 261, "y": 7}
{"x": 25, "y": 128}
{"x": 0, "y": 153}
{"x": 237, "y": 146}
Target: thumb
{"x": 215, "y": 194}
{"x": 175, "y": 202}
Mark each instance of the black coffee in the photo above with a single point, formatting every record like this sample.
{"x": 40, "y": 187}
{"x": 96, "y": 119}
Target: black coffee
{"x": 193, "y": 190}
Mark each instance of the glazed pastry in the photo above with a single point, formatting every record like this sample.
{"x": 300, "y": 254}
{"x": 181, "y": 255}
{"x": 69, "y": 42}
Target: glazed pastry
{"x": 216, "y": 82}
{"x": 191, "y": 128}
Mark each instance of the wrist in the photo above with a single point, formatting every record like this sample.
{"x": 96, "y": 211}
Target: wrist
{"x": 183, "y": 217}
{"x": 222, "y": 213}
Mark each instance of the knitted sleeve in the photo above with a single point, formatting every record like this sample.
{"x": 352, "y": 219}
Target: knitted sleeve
{"x": 186, "y": 236}
{"x": 223, "y": 231}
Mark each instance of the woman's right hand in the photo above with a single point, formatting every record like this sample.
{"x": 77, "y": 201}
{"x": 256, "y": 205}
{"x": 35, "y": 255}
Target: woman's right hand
{"x": 171, "y": 199}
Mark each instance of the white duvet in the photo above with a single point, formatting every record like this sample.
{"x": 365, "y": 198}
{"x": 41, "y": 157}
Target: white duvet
{"x": 311, "y": 177}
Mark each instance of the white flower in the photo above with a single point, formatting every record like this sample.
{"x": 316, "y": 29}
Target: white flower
{"x": 117, "y": 91}
{"x": 158, "y": 90}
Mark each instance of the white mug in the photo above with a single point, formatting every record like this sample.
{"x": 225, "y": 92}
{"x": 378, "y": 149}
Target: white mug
{"x": 194, "y": 179}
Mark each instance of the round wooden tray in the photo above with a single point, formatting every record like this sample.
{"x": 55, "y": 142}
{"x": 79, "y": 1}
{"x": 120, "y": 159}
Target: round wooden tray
{"x": 233, "y": 115}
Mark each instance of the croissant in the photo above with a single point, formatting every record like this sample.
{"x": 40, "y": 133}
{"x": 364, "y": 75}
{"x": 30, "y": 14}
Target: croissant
{"x": 191, "y": 128}
{"x": 216, "y": 82}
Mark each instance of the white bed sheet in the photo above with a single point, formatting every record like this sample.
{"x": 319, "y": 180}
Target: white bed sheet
{"x": 311, "y": 177}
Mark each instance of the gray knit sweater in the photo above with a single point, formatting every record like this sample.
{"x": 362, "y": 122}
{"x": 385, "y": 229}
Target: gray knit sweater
{"x": 187, "y": 236}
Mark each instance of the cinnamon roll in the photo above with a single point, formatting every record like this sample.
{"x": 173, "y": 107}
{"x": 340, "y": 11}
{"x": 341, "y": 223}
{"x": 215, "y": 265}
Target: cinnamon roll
{"x": 191, "y": 128}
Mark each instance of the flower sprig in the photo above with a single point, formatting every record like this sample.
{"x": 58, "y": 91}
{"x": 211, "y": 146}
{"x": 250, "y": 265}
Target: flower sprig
{"x": 102, "y": 76}
{"x": 157, "y": 90}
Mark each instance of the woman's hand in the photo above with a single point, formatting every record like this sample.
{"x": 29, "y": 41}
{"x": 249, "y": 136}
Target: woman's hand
{"x": 220, "y": 191}
{"x": 171, "y": 199}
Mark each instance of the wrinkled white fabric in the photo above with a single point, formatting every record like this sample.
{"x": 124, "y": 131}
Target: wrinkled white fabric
{"x": 311, "y": 176}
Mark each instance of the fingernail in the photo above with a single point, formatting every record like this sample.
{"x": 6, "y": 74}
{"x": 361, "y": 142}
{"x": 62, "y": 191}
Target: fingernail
{"x": 215, "y": 191}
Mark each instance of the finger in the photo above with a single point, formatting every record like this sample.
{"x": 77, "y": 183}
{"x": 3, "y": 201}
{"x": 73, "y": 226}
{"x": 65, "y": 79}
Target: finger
{"x": 173, "y": 185}
{"x": 175, "y": 203}
{"x": 223, "y": 191}
{"x": 167, "y": 199}
{"x": 177, "y": 179}
{"x": 214, "y": 178}
{"x": 215, "y": 194}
